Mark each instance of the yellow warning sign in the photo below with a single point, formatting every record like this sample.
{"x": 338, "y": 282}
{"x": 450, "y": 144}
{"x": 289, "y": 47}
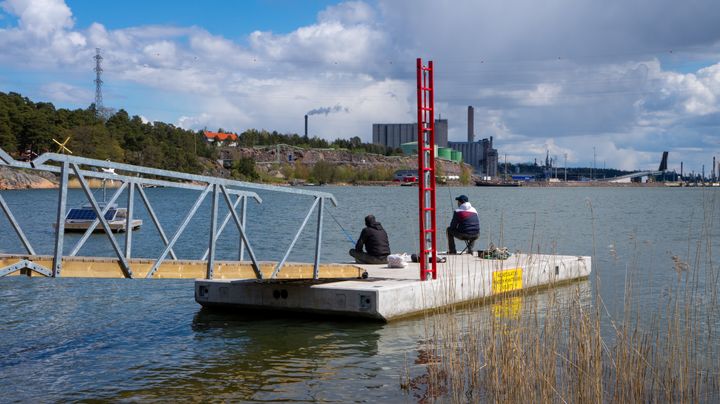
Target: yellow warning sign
{"x": 507, "y": 280}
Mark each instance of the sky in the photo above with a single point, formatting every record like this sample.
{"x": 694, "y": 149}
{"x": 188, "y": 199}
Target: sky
{"x": 611, "y": 83}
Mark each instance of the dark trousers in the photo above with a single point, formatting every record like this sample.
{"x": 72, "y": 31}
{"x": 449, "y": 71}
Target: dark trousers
{"x": 365, "y": 258}
{"x": 452, "y": 234}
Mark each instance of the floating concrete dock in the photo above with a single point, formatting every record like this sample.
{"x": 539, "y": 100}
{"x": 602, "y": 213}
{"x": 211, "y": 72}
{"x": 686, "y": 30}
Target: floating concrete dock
{"x": 389, "y": 293}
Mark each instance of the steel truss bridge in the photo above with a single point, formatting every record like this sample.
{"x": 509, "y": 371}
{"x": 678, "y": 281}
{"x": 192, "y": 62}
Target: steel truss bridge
{"x": 133, "y": 179}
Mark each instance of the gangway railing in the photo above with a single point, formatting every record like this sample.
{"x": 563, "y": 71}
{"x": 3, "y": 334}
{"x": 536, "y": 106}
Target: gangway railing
{"x": 133, "y": 179}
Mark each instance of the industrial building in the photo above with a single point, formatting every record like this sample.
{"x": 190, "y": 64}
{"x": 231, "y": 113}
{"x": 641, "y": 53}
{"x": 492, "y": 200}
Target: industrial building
{"x": 395, "y": 134}
{"x": 481, "y": 154}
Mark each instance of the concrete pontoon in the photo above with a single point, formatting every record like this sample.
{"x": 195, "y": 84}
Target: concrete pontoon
{"x": 388, "y": 293}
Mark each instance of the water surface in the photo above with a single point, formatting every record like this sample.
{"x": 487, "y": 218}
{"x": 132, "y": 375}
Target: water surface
{"x": 80, "y": 339}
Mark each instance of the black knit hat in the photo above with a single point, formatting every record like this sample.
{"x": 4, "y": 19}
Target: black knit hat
{"x": 462, "y": 198}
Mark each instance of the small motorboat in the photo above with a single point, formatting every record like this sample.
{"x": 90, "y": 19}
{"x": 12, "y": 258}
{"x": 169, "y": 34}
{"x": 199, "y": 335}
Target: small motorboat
{"x": 80, "y": 219}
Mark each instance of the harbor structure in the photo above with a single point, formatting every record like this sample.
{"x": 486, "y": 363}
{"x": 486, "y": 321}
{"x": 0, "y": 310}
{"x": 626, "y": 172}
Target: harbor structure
{"x": 393, "y": 135}
{"x": 384, "y": 294}
{"x": 391, "y": 293}
{"x": 341, "y": 289}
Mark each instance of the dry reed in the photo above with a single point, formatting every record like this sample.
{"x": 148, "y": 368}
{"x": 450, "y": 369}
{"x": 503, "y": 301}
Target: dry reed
{"x": 562, "y": 344}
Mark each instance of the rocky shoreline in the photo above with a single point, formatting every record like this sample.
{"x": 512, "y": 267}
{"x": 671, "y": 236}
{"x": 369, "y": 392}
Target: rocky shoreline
{"x": 15, "y": 178}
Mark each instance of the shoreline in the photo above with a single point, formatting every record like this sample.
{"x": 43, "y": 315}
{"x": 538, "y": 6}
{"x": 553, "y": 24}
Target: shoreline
{"x": 15, "y": 179}
{"x": 96, "y": 184}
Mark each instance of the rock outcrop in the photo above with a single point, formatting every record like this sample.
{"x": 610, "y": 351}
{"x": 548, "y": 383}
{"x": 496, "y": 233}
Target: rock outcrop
{"x": 267, "y": 157}
{"x": 14, "y": 178}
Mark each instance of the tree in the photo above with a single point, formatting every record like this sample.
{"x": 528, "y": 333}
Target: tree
{"x": 302, "y": 172}
{"x": 245, "y": 169}
{"x": 7, "y": 139}
{"x": 465, "y": 174}
{"x": 94, "y": 142}
{"x": 324, "y": 172}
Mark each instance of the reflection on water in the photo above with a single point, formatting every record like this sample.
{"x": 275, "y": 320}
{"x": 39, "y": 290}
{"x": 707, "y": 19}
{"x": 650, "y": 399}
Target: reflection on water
{"x": 269, "y": 359}
{"x": 138, "y": 340}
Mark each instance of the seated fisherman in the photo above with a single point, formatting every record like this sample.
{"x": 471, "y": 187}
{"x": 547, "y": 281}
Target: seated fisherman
{"x": 375, "y": 240}
{"x": 465, "y": 225}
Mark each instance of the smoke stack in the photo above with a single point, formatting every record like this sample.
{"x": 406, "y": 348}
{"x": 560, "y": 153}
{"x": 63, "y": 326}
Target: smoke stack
{"x": 305, "y": 125}
{"x": 681, "y": 169}
{"x": 471, "y": 124}
{"x": 713, "y": 170}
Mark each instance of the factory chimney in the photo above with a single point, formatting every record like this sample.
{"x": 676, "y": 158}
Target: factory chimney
{"x": 471, "y": 124}
{"x": 713, "y": 170}
{"x": 306, "y": 125}
{"x": 681, "y": 169}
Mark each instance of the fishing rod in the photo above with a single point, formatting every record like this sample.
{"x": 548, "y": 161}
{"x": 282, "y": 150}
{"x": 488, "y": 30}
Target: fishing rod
{"x": 350, "y": 239}
{"x": 452, "y": 205}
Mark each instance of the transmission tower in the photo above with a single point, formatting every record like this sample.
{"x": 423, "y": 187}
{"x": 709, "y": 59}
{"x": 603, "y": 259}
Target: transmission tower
{"x": 99, "y": 109}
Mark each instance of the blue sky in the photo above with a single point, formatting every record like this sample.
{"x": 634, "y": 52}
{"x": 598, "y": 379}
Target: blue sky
{"x": 231, "y": 19}
{"x": 630, "y": 79}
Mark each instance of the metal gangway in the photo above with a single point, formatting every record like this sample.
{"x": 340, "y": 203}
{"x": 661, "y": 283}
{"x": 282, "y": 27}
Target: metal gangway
{"x": 133, "y": 179}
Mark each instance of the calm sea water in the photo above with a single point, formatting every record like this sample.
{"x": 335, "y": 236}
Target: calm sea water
{"x": 82, "y": 339}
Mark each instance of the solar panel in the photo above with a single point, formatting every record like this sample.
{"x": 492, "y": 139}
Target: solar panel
{"x": 88, "y": 214}
{"x": 81, "y": 214}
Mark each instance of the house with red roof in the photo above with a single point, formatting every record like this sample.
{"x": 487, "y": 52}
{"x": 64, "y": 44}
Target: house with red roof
{"x": 221, "y": 139}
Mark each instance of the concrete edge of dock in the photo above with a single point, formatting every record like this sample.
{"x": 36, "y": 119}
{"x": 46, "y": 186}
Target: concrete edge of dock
{"x": 390, "y": 294}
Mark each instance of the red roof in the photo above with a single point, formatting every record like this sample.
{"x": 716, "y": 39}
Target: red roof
{"x": 220, "y": 136}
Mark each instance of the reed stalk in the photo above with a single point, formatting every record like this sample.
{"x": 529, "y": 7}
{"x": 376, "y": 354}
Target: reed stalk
{"x": 562, "y": 344}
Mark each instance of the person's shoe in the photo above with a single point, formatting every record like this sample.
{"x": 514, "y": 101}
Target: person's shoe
{"x": 470, "y": 252}
{"x": 452, "y": 252}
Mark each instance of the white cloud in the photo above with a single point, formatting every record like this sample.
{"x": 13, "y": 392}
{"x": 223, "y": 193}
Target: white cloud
{"x": 348, "y": 13}
{"x": 540, "y": 95}
{"x": 66, "y": 93}
{"x": 550, "y": 75}
{"x": 41, "y": 18}
{"x": 328, "y": 43}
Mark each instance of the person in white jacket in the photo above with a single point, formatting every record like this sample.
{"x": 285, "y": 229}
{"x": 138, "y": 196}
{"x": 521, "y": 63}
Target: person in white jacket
{"x": 465, "y": 225}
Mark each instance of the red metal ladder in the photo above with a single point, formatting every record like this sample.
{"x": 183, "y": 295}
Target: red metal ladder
{"x": 426, "y": 170}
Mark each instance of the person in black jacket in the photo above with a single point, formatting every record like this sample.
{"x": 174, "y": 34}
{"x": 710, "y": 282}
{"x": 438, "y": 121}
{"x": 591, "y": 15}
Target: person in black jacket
{"x": 375, "y": 240}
